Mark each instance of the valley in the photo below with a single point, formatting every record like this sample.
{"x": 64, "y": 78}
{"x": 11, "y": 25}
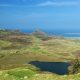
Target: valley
{"x": 17, "y": 50}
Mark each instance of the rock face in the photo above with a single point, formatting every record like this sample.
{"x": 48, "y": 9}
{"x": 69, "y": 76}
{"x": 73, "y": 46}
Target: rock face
{"x": 42, "y": 35}
{"x": 39, "y": 33}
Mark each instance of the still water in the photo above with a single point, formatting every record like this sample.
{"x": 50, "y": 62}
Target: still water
{"x": 60, "y": 68}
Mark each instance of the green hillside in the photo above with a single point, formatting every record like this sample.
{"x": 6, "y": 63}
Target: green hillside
{"x": 18, "y": 49}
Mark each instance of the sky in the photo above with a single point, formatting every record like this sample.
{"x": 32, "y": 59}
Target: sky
{"x": 60, "y": 15}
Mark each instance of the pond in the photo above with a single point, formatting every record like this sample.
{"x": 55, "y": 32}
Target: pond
{"x": 60, "y": 68}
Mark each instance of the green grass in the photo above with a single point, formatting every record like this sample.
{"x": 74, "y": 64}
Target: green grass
{"x": 17, "y": 73}
{"x": 21, "y": 73}
{"x": 4, "y": 43}
{"x": 50, "y": 50}
{"x": 29, "y": 74}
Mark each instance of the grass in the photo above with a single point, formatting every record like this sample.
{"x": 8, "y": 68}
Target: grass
{"x": 21, "y": 73}
{"x": 4, "y": 43}
{"x": 29, "y": 74}
{"x": 16, "y": 74}
{"x": 50, "y": 50}
{"x": 15, "y": 55}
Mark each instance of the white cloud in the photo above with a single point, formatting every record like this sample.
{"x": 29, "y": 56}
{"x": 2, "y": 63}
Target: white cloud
{"x": 66, "y": 3}
{"x": 46, "y": 3}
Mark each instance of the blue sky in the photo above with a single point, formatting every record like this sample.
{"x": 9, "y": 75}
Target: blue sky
{"x": 54, "y": 15}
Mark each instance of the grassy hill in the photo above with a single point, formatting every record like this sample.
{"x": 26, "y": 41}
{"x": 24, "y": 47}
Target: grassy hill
{"x": 30, "y": 74}
{"x": 18, "y": 49}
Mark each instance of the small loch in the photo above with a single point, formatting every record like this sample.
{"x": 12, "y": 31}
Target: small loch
{"x": 60, "y": 68}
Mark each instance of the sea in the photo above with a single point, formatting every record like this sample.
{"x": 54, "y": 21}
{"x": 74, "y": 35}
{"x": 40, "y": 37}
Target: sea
{"x": 65, "y": 34}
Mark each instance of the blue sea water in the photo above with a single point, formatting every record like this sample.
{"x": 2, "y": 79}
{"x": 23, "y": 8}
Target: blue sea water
{"x": 66, "y": 34}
